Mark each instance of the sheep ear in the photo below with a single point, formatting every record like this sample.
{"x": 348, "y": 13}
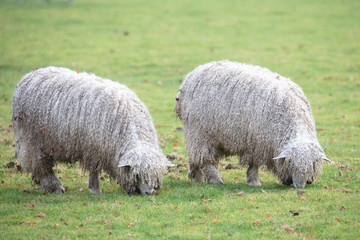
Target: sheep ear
{"x": 124, "y": 164}
{"x": 325, "y": 158}
{"x": 169, "y": 164}
{"x": 281, "y": 155}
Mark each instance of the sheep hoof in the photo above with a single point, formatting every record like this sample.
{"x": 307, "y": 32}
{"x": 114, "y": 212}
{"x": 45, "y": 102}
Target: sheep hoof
{"x": 299, "y": 185}
{"x": 55, "y": 189}
{"x": 196, "y": 176}
{"x": 60, "y": 189}
{"x": 51, "y": 184}
{"x": 254, "y": 184}
{"x": 197, "y": 180}
{"x": 215, "y": 181}
{"x": 95, "y": 191}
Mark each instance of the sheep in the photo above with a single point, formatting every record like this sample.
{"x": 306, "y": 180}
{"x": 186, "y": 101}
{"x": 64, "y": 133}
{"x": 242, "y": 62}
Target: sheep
{"x": 229, "y": 108}
{"x": 63, "y": 116}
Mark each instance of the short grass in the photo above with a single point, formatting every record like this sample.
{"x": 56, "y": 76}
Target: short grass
{"x": 150, "y": 46}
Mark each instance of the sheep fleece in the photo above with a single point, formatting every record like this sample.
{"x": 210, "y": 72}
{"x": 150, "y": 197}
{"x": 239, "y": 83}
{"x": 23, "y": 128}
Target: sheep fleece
{"x": 230, "y": 108}
{"x": 64, "y": 116}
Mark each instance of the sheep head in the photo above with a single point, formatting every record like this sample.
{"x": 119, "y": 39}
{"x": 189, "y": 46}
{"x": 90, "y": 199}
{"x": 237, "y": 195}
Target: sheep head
{"x": 141, "y": 169}
{"x": 299, "y": 163}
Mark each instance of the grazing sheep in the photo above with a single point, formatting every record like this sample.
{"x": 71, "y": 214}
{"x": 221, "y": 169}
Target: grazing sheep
{"x": 63, "y": 116}
{"x": 230, "y": 108}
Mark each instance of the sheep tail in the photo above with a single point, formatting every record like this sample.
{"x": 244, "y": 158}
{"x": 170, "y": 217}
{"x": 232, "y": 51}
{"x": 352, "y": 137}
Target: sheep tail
{"x": 177, "y": 109}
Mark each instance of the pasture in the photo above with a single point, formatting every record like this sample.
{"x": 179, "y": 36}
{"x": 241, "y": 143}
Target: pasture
{"x": 150, "y": 46}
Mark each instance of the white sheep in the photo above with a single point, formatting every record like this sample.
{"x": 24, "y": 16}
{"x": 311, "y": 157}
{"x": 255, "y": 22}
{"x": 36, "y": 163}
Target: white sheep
{"x": 63, "y": 116}
{"x": 230, "y": 108}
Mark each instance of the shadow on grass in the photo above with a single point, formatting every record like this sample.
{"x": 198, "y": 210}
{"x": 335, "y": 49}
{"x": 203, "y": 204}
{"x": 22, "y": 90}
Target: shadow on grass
{"x": 172, "y": 190}
{"x": 182, "y": 189}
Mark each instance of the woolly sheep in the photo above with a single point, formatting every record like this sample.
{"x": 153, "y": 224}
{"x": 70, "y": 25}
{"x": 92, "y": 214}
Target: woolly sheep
{"x": 230, "y": 108}
{"x": 63, "y": 116}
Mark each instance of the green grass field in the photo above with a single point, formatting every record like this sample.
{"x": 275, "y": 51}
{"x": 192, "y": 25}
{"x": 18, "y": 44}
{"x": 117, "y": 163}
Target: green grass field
{"x": 150, "y": 46}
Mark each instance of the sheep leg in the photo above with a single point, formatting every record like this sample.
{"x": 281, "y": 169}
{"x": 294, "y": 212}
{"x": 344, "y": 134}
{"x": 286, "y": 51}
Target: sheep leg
{"x": 44, "y": 176}
{"x": 212, "y": 175}
{"x": 196, "y": 173}
{"x": 252, "y": 176}
{"x": 94, "y": 182}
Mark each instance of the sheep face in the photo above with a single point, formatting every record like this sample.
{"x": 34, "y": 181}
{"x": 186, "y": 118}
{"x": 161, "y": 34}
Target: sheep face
{"x": 145, "y": 188}
{"x": 299, "y": 164}
{"x": 141, "y": 170}
{"x": 134, "y": 181}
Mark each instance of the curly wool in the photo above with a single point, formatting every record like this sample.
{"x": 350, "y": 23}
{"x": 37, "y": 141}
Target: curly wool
{"x": 230, "y": 108}
{"x": 68, "y": 117}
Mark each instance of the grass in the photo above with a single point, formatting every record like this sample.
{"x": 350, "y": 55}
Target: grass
{"x": 150, "y": 46}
